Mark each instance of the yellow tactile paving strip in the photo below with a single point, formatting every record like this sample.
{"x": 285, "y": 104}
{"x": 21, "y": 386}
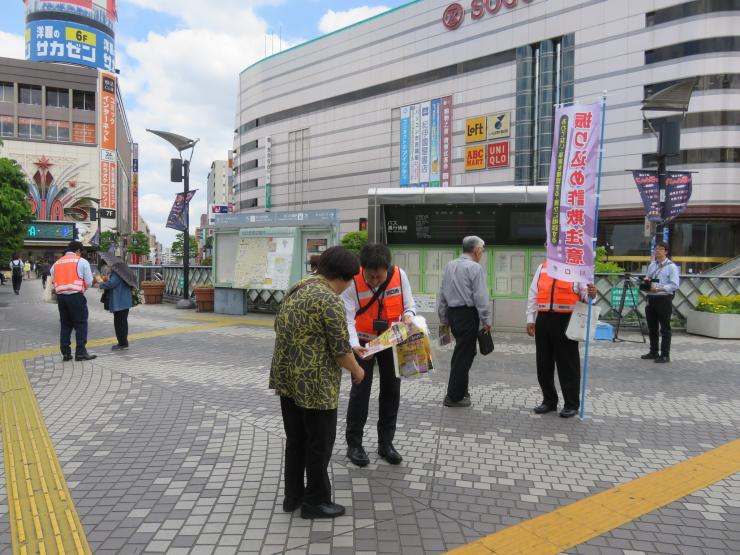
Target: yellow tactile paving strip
{"x": 43, "y": 516}
{"x": 593, "y": 516}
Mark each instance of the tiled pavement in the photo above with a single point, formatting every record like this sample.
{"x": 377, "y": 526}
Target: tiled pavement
{"x": 176, "y": 445}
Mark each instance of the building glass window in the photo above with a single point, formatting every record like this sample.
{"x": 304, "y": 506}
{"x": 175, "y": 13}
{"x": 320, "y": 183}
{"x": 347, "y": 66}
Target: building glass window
{"x": 29, "y": 94}
{"x": 6, "y": 92}
{"x": 696, "y": 156}
{"x": 57, "y": 98}
{"x": 83, "y": 100}
{"x": 30, "y": 128}
{"x": 700, "y": 119}
{"x": 718, "y": 81}
{"x": 6, "y": 126}
{"x": 248, "y": 203}
{"x": 690, "y": 9}
{"x": 57, "y": 131}
{"x": 692, "y": 48}
{"x": 83, "y": 133}
{"x": 705, "y": 238}
{"x": 544, "y": 77}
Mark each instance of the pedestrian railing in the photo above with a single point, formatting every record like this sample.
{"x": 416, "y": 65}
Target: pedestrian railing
{"x": 611, "y": 286}
{"x": 173, "y": 277}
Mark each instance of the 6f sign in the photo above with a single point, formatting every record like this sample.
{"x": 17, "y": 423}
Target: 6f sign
{"x": 454, "y": 14}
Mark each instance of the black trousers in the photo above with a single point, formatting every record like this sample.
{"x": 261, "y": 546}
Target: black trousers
{"x": 553, "y": 347}
{"x": 120, "y": 323}
{"x": 464, "y": 323}
{"x": 310, "y": 436}
{"x": 359, "y": 399}
{"x": 73, "y": 314}
{"x": 17, "y": 280}
{"x": 658, "y": 315}
{"x": 44, "y": 277}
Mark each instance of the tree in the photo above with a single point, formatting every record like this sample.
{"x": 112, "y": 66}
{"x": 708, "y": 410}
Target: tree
{"x": 177, "y": 246}
{"x": 139, "y": 244}
{"x": 16, "y": 211}
{"x": 603, "y": 266}
{"x": 106, "y": 238}
{"x": 354, "y": 241}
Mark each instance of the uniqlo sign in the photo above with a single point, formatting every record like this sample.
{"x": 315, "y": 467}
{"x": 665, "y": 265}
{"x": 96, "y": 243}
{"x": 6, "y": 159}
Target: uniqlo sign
{"x": 497, "y": 154}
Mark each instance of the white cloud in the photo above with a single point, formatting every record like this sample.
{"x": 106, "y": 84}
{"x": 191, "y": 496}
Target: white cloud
{"x": 185, "y": 81}
{"x": 331, "y": 20}
{"x": 12, "y": 46}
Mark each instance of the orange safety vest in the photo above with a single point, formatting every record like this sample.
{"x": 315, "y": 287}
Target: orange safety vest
{"x": 554, "y": 295}
{"x": 66, "y": 275}
{"x": 389, "y": 305}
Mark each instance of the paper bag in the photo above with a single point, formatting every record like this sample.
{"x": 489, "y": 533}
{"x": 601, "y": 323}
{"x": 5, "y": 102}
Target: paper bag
{"x": 577, "y": 326}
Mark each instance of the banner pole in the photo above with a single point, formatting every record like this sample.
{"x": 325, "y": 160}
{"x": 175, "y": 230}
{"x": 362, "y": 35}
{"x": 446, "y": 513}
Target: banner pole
{"x": 596, "y": 232}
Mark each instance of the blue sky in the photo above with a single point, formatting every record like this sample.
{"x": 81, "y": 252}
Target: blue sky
{"x": 180, "y": 61}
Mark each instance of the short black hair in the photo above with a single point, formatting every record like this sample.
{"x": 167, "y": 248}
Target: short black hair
{"x": 74, "y": 246}
{"x": 375, "y": 256}
{"x": 663, "y": 244}
{"x": 338, "y": 262}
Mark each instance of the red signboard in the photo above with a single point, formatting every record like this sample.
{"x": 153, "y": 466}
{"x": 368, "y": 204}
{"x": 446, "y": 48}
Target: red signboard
{"x": 107, "y": 95}
{"x": 454, "y": 14}
{"x": 497, "y": 154}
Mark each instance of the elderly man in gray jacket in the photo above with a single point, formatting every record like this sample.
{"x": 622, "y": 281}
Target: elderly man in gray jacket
{"x": 464, "y": 304}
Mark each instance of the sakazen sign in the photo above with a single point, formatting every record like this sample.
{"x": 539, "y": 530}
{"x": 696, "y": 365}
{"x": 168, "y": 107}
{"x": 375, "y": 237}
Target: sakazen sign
{"x": 454, "y": 14}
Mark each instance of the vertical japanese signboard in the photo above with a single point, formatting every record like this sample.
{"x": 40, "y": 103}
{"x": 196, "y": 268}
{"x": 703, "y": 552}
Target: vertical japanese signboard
{"x": 425, "y": 137}
{"x": 405, "y": 134}
{"x": 108, "y": 173}
{"x": 571, "y": 198}
{"x": 135, "y": 187}
{"x": 677, "y": 194}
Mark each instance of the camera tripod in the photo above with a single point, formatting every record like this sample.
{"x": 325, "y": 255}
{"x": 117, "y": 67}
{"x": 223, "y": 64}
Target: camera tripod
{"x": 629, "y": 288}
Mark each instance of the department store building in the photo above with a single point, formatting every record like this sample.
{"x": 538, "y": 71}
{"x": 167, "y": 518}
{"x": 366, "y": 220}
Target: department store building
{"x": 434, "y": 121}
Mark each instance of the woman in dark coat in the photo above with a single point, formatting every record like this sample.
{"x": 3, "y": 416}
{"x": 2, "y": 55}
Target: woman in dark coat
{"x": 119, "y": 301}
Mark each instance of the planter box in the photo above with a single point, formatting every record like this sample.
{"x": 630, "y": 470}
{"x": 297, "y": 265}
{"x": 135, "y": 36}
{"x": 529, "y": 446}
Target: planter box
{"x": 204, "y": 299}
{"x": 720, "y": 326}
{"x": 153, "y": 293}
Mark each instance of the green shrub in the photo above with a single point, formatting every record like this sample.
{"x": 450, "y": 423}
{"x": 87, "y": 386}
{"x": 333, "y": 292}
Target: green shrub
{"x": 354, "y": 241}
{"x": 604, "y": 267}
{"x": 721, "y": 304}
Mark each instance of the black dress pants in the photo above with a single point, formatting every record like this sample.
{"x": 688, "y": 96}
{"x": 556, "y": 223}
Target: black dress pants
{"x": 17, "y": 281}
{"x": 553, "y": 347}
{"x": 359, "y": 399}
{"x": 120, "y": 323}
{"x": 72, "y": 315}
{"x": 464, "y": 322}
{"x": 658, "y": 315}
{"x": 310, "y": 436}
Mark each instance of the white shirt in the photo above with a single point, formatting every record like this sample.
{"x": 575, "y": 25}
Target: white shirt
{"x": 352, "y": 305}
{"x": 581, "y": 289}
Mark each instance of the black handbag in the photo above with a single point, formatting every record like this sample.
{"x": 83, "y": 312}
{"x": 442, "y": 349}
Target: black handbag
{"x": 485, "y": 342}
{"x": 105, "y": 299}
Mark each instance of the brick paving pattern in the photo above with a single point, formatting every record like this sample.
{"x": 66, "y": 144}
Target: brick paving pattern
{"x": 176, "y": 446}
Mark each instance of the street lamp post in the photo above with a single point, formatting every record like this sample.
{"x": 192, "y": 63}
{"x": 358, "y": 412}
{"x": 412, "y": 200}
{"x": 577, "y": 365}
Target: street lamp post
{"x": 181, "y": 171}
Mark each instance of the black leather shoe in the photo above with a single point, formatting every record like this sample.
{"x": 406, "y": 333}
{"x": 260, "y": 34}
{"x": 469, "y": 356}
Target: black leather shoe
{"x": 568, "y": 413}
{"x": 324, "y": 510}
{"x": 65, "y": 358}
{"x": 290, "y": 504}
{"x": 86, "y": 356}
{"x": 119, "y": 347}
{"x": 358, "y": 456}
{"x": 464, "y": 402}
{"x": 651, "y": 355}
{"x": 543, "y": 408}
{"x": 389, "y": 453}
{"x": 662, "y": 359}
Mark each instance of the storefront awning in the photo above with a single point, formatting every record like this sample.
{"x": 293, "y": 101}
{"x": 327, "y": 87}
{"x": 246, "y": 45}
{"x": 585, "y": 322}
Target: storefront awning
{"x": 457, "y": 195}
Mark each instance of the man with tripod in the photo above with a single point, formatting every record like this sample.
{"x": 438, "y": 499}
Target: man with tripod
{"x": 660, "y": 285}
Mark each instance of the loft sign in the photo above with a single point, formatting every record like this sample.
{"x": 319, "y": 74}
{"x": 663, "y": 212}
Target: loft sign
{"x": 454, "y": 14}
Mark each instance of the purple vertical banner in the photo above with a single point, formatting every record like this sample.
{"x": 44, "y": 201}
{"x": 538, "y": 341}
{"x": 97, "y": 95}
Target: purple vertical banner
{"x": 176, "y": 219}
{"x": 571, "y": 197}
{"x": 677, "y": 194}
{"x": 647, "y": 184}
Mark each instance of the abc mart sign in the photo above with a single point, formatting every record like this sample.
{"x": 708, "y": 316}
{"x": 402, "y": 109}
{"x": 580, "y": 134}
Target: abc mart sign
{"x": 454, "y": 14}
